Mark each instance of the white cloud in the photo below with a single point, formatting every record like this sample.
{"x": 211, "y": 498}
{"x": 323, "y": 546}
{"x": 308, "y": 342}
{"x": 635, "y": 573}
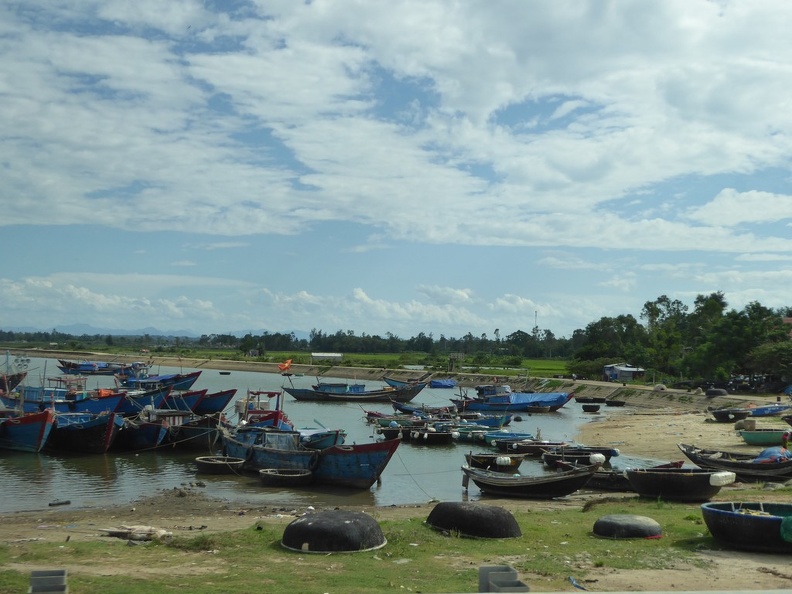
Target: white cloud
{"x": 625, "y": 143}
{"x": 731, "y": 208}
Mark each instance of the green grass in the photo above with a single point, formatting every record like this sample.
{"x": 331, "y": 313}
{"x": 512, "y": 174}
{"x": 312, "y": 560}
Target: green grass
{"x": 554, "y": 545}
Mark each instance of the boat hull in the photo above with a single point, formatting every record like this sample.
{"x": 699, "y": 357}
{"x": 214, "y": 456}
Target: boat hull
{"x": 750, "y": 526}
{"x": 84, "y": 433}
{"x": 219, "y": 464}
{"x": 548, "y": 486}
{"x": 216, "y": 402}
{"x": 763, "y": 437}
{"x": 404, "y": 394}
{"x": 512, "y": 402}
{"x": 678, "y": 484}
{"x": 742, "y": 464}
{"x": 26, "y": 433}
{"x": 356, "y": 466}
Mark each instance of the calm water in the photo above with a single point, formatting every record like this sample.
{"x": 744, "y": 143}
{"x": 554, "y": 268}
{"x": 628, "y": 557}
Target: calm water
{"x": 416, "y": 474}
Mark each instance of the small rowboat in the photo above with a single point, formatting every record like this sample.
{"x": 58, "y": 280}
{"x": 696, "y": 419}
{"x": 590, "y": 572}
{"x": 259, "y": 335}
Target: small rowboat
{"x": 730, "y": 415}
{"x": 285, "y": 477}
{"x": 591, "y": 408}
{"x": 496, "y": 462}
{"x": 678, "y": 484}
{"x": 219, "y": 464}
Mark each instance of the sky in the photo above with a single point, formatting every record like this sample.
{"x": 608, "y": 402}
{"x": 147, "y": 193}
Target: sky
{"x": 445, "y": 167}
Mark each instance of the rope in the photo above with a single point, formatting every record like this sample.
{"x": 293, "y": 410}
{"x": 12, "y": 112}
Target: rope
{"x": 412, "y": 476}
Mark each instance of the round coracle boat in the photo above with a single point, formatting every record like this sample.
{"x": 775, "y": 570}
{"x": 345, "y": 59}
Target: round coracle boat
{"x": 219, "y": 464}
{"x": 285, "y": 477}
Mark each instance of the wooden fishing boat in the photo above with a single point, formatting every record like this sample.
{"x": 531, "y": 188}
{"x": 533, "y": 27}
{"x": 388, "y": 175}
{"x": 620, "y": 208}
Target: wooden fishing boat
{"x": 770, "y": 410}
{"x": 470, "y": 432}
{"x": 188, "y": 431}
{"x": 608, "y": 478}
{"x": 101, "y": 367}
{"x": 214, "y": 402}
{"x": 134, "y": 401}
{"x": 591, "y": 408}
{"x": 765, "y": 436}
{"x": 66, "y": 393}
{"x": 219, "y": 464}
{"x": 398, "y": 432}
{"x": 184, "y": 399}
{"x": 678, "y": 484}
{"x": 285, "y": 477}
{"x": 430, "y": 435}
{"x": 177, "y": 381}
{"x": 343, "y": 392}
{"x": 25, "y": 432}
{"x": 399, "y": 420}
{"x": 589, "y": 400}
{"x": 500, "y": 397}
{"x": 531, "y": 447}
{"x": 491, "y": 437}
{"x": 422, "y": 410}
{"x": 494, "y": 462}
{"x": 750, "y": 526}
{"x": 730, "y": 415}
{"x": 356, "y": 466}
{"x": 747, "y": 466}
{"x": 138, "y": 433}
{"x": 614, "y": 402}
{"x": 581, "y": 455}
{"x": 84, "y": 432}
{"x": 319, "y": 438}
{"x": 544, "y": 486}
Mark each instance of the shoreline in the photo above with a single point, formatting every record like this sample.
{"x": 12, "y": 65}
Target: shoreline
{"x": 650, "y": 425}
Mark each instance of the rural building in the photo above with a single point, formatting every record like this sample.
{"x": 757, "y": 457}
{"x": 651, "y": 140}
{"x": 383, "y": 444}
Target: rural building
{"x": 621, "y": 372}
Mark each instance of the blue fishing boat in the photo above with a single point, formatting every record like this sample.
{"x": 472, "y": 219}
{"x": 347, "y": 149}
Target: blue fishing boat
{"x": 356, "y": 466}
{"x": 64, "y": 394}
{"x": 25, "y": 432}
{"x": 499, "y": 397}
{"x": 177, "y": 381}
{"x": 770, "y": 410}
{"x": 188, "y": 431}
{"x": 492, "y": 436}
{"x": 215, "y": 402}
{"x": 100, "y": 367}
{"x": 321, "y": 438}
{"x": 84, "y": 432}
{"x": 141, "y": 434}
{"x": 184, "y": 399}
{"x": 134, "y": 401}
{"x": 442, "y": 383}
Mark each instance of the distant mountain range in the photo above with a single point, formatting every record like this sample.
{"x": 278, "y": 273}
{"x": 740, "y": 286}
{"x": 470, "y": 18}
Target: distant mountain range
{"x": 80, "y": 329}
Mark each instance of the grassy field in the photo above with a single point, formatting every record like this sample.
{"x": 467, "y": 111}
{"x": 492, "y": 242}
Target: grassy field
{"x": 416, "y": 558}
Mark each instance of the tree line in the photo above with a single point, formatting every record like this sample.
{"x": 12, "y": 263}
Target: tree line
{"x": 707, "y": 341}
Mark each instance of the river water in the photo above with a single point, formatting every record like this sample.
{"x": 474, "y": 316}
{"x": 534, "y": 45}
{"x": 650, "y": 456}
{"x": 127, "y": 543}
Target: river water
{"x": 416, "y": 474}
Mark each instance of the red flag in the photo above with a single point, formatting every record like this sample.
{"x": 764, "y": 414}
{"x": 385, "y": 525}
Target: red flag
{"x": 286, "y": 365}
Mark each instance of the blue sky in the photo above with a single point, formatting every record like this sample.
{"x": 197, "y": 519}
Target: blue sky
{"x": 403, "y": 167}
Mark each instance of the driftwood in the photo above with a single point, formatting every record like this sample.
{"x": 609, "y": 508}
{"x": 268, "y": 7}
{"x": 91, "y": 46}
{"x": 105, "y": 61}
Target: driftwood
{"x": 137, "y": 532}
